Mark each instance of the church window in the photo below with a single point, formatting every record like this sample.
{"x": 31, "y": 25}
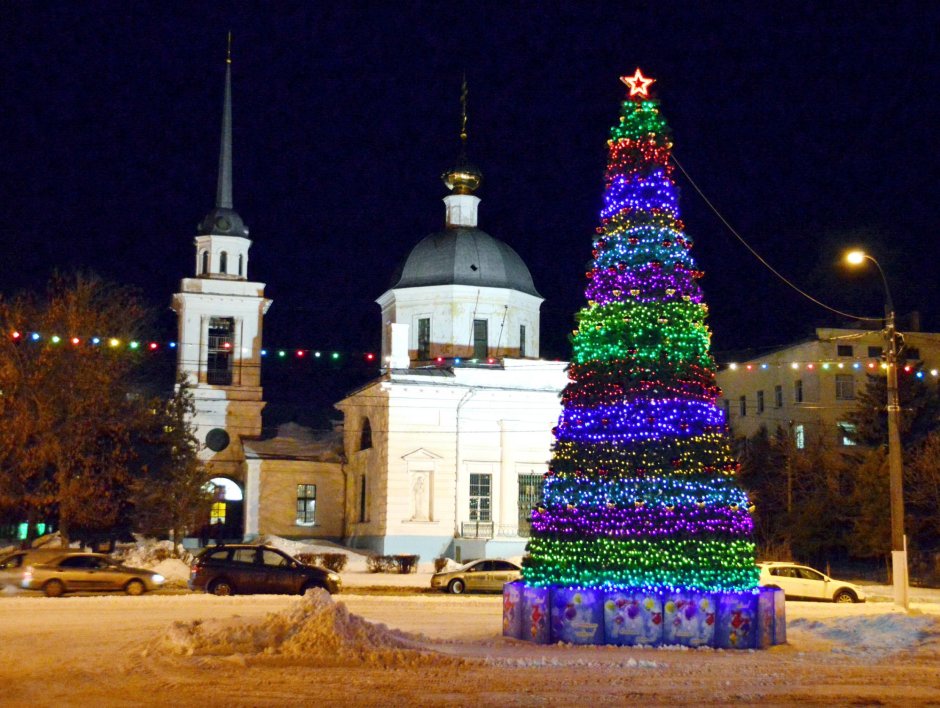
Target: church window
{"x": 365, "y": 436}
{"x": 362, "y": 498}
{"x": 521, "y": 341}
{"x": 306, "y": 504}
{"x": 241, "y": 264}
{"x": 205, "y": 263}
{"x": 480, "y": 497}
{"x": 223, "y": 262}
{"x": 219, "y": 358}
{"x": 480, "y": 343}
{"x": 217, "y": 513}
{"x": 424, "y": 338}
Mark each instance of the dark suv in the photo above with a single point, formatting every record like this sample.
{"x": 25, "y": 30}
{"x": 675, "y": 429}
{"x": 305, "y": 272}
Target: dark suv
{"x": 247, "y": 569}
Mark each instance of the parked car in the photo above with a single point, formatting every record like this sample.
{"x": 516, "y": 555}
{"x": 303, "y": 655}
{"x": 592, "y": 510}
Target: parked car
{"x": 251, "y": 568}
{"x": 486, "y": 575}
{"x": 13, "y": 564}
{"x": 804, "y": 583}
{"x": 77, "y": 572}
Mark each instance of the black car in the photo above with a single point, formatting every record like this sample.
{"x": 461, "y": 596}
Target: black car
{"x": 248, "y": 569}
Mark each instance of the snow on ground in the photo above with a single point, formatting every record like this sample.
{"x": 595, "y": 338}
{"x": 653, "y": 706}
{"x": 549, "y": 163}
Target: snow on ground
{"x": 429, "y": 650}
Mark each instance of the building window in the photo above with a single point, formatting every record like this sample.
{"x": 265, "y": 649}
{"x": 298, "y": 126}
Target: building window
{"x": 306, "y": 504}
{"x": 205, "y": 263}
{"x": 365, "y": 435}
{"x": 480, "y": 343}
{"x": 362, "y": 498}
{"x": 798, "y": 391}
{"x": 223, "y": 262}
{"x": 874, "y": 352}
{"x": 760, "y": 402}
{"x": 799, "y": 436}
{"x": 424, "y": 338}
{"x": 219, "y": 358}
{"x": 845, "y": 387}
{"x": 742, "y": 406}
{"x": 778, "y": 396}
{"x": 726, "y": 404}
{"x": 480, "y": 497}
{"x": 530, "y": 494}
{"x": 241, "y": 264}
{"x": 912, "y": 353}
{"x": 521, "y": 341}
{"x": 217, "y": 513}
{"x": 845, "y": 350}
{"x": 847, "y": 434}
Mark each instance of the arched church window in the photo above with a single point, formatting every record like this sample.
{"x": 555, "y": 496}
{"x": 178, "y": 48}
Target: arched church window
{"x": 223, "y": 262}
{"x": 365, "y": 437}
{"x": 241, "y": 264}
{"x": 205, "y": 263}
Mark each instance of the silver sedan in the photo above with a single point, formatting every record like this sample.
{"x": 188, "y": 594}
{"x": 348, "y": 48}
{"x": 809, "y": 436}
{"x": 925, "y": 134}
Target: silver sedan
{"x": 80, "y": 572}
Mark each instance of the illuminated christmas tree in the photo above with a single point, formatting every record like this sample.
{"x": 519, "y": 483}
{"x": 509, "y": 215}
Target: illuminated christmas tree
{"x": 641, "y": 491}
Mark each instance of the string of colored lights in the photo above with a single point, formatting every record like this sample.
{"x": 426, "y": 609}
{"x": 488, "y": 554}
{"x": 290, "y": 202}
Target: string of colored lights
{"x": 641, "y": 491}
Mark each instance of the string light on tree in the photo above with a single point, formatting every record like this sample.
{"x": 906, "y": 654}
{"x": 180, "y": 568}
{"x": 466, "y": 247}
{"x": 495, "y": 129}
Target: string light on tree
{"x": 641, "y": 490}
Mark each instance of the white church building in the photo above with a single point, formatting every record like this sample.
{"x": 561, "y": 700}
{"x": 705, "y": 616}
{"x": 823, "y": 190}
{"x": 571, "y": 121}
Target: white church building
{"x": 442, "y": 454}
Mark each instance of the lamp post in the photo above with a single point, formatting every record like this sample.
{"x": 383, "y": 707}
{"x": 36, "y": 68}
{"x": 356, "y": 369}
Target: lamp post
{"x": 898, "y": 545}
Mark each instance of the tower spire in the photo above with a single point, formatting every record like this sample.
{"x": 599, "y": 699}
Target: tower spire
{"x": 223, "y": 196}
{"x": 463, "y": 178}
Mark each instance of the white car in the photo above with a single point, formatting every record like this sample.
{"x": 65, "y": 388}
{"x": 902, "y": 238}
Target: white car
{"x": 803, "y": 583}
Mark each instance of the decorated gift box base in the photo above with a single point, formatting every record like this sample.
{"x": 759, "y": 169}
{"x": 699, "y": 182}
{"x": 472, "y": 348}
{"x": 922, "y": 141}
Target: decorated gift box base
{"x": 639, "y": 617}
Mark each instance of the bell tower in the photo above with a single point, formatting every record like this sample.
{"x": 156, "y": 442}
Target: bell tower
{"x": 220, "y": 313}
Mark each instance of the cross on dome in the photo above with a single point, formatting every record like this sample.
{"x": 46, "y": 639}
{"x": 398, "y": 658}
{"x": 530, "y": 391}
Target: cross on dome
{"x": 639, "y": 84}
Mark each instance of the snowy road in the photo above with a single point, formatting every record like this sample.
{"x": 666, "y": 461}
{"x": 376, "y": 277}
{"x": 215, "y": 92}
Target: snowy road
{"x": 267, "y": 650}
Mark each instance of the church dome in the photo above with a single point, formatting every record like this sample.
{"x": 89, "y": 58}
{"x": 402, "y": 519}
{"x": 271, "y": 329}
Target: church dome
{"x": 465, "y": 256}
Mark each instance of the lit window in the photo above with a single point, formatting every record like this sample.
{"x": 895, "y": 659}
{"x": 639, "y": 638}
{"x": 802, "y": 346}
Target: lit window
{"x": 306, "y": 504}
{"x": 217, "y": 513}
{"x": 847, "y": 434}
{"x": 799, "y": 437}
{"x": 845, "y": 387}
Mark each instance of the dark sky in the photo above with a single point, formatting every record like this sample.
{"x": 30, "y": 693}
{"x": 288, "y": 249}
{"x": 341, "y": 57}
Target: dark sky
{"x": 811, "y": 126}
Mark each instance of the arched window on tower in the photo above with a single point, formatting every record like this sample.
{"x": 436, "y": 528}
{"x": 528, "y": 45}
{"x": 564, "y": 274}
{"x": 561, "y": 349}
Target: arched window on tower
{"x": 241, "y": 264}
{"x": 365, "y": 437}
{"x": 223, "y": 262}
{"x": 204, "y": 270}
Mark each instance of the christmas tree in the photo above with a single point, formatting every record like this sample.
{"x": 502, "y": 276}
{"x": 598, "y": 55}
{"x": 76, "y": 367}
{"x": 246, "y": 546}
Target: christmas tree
{"x": 641, "y": 490}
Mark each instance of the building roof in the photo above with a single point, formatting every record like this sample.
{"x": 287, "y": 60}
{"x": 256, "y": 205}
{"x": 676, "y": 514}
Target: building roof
{"x": 296, "y": 442}
{"x": 465, "y": 256}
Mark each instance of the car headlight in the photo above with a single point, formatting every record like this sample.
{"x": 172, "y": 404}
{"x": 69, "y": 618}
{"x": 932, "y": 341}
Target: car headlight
{"x": 334, "y": 577}
{"x": 157, "y": 578}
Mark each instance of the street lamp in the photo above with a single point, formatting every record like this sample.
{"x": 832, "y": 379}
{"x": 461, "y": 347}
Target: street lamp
{"x": 898, "y": 546}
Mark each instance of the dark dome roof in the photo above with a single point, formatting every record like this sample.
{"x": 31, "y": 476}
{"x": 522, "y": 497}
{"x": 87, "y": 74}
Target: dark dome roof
{"x": 465, "y": 256}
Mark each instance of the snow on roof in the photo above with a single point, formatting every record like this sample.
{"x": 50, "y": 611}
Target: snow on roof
{"x": 296, "y": 442}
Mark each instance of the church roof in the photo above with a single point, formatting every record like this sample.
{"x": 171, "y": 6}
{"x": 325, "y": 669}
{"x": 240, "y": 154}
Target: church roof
{"x": 465, "y": 256}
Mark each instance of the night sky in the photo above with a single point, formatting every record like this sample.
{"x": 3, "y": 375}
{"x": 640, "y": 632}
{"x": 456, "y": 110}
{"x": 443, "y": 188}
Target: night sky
{"x": 810, "y": 128}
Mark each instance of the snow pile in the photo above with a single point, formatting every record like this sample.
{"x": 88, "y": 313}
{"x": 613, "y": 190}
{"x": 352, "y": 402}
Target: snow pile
{"x": 874, "y": 635}
{"x": 314, "y": 629}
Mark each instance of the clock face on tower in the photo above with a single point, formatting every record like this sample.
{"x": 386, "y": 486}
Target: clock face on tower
{"x": 217, "y": 439}
{"x": 223, "y": 224}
